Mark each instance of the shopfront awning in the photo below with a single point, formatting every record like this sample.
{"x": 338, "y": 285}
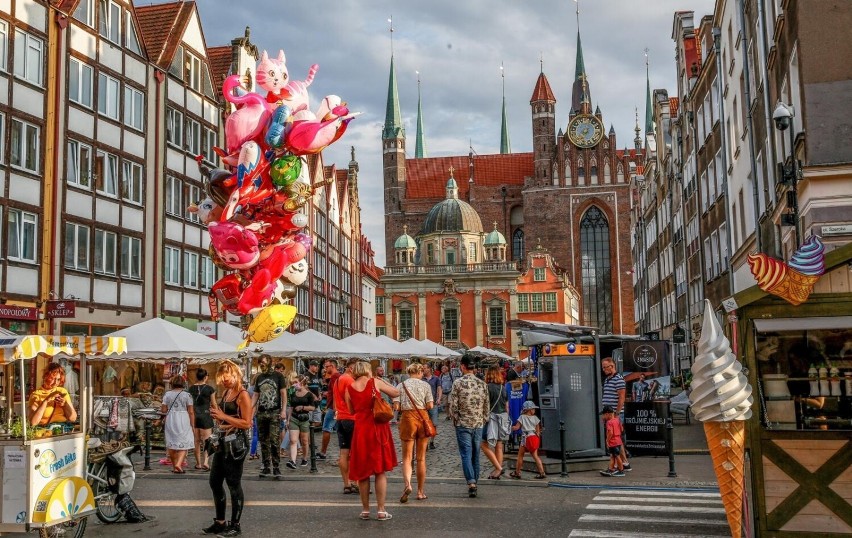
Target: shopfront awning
{"x": 803, "y": 324}
{"x": 27, "y": 347}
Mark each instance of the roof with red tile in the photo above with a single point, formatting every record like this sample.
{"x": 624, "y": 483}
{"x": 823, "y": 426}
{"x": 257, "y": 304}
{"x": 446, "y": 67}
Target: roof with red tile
{"x": 162, "y": 26}
{"x": 220, "y": 65}
{"x": 542, "y": 91}
{"x": 427, "y": 178}
{"x": 674, "y": 103}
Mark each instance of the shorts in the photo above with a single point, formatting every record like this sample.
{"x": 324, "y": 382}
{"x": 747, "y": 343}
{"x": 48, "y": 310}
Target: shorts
{"x": 614, "y": 450}
{"x": 411, "y": 426}
{"x": 316, "y": 416}
{"x": 345, "y": 429}
{"x": 328, "y": 422}
{"x": 532, "y": 443}
{"x": 445, "y": 398}
{"x": 300, "y": 425}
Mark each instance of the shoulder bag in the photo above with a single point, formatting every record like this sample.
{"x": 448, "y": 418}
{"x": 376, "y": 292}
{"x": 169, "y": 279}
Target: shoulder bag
{"x": 427, "y": 422}
{"x": 382, "y": 412}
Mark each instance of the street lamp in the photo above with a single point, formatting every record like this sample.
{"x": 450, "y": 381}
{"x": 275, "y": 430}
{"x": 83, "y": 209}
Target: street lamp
{"x": 783, "y": 118}
{"x": 342, "y": 313}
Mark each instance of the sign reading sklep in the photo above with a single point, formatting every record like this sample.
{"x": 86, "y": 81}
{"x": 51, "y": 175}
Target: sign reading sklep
{"x": 61, "y": 309}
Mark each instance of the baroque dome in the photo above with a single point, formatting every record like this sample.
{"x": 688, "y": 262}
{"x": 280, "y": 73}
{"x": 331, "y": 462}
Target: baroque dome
{"x": 452, "y": 214}
{"x": 494, "y": 237}
{"x": 405, "y": 241}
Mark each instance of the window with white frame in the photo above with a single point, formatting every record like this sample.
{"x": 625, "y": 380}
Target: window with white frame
{"x": 193, "y": 196}
{"x": 496, "y": 323}
{"x": 131, "y": 257}
{"x": 174, "y": 196}
{"x": 471, "y": 252}
{"x": 708, "y": 259}
{"x": 209, "y": 139}
{"x": 78, "y": 169}
{"x": 4, "y": 45}
{"x": 714, "y": 252}
{"x": 106, "y": 167}
{"x": 25, "y": 141}
{"x": 108, "y": 96}
{"x": 550, "y": 302}
{"x": 720, "y": 173}
{"x": 174, "y": 127}
{"x": 131, "y": 182}
{"x": 705, "y": 199}
{"x": 208, "y": 273}
{"x": 2, "y": 138}
{"x": 80, "y": 77}
{"x": 172, "y": 266}
{"x": 85, "y": 12}
{"x": 193, "y": 136}
{"x": 76, "y": 246}
{"x": 190, "y": 269}
{"x": 192, "y": 71}
{"x": 723, "y": 247}
{"x": 109, "y": 24}
{"x": 105, "y": 246}
{"x": 134, "y": 106}
{"x": 381, "y": 331}
{"x": 21, "y": 236}
{"x": 539, "y": 274}
{"x": 380, "y": 304}
{"x": 131, "y": 38}
{"x": 29, "y": 58}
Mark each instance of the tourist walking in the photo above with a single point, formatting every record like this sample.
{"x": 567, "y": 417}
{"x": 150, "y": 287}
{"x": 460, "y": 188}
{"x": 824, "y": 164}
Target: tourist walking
{"x": 496, "y": 431}
{"x": 303, "y": 403}
{"x": 345, "y": 424}
{"x": 446, "y": 386}
{"x": 468, "y": 409}
{"x": 415, "y": 401}
{"x": 372, "y": 453}
{"x": 530, "y": 426}
{"x": 437, "y": 393}
{"x": 179, "y": 418}
{"x": 202, "y": 399}
{"x": 233, "y": 415}
{"x": 330, "y": 377}
{"x": 270, "y": 401}
{"x": 613, "y": 394}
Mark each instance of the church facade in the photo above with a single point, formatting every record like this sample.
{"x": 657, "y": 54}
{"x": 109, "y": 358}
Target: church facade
{"x": 571, "y": 196}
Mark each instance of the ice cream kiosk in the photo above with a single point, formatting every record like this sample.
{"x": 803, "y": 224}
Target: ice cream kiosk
{"x": 44, "y": 484}
{"x": 796, "y": 342}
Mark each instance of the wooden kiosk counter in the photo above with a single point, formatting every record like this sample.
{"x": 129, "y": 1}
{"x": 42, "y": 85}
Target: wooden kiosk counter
{"x": 799, "y": 361}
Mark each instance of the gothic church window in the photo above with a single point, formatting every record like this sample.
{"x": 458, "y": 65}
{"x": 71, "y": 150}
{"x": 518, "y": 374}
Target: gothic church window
{"x": 607, "y": 173}
{"x": 593, "y": 163}
{"x": 620, "y": 172}
{"x": 518, "y": 244}
{"x": 595, "y": 270}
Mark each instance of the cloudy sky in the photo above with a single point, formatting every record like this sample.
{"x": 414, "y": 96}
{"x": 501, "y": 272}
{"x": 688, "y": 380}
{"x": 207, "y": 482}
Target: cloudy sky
{"x": 457, "y": 46}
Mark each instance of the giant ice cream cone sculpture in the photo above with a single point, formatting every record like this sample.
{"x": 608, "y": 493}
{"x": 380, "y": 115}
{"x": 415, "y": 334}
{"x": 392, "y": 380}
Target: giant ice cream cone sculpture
{"x": 793, "y": 281}
{"x": 721, "y": 399}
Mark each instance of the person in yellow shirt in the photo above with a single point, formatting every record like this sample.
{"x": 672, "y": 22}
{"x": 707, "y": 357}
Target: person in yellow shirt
{"x": 51, "y": 403}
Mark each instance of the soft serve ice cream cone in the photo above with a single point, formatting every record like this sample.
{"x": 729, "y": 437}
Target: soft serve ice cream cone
{"x": 721, "y": 399}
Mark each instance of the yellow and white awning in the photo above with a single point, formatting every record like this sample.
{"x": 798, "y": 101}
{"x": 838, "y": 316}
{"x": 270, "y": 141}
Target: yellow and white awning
{"x": 27, "y": 347}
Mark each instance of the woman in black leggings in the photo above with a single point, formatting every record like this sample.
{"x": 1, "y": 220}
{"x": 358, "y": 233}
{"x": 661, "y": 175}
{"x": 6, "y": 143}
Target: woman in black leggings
{"x": 234, "y": 417}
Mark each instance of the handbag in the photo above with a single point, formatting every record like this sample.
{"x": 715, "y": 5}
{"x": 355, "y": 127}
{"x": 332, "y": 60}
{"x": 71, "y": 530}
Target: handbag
{"x": 382, "y": 412}
{"x": 430, "y": 429}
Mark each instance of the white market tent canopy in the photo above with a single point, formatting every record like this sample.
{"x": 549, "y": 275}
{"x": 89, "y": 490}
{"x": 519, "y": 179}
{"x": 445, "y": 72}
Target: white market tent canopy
{"x": 158, "y": 339}
{"x": 396, "y": 347}
{"x": 16, "y": 347}
{"x": 429, "y": 349}
{"x": 311, "y": 343}
{"x": 491, "y": 353}
{"x": 370, "y": 347}
{"x": 233, "y": 336}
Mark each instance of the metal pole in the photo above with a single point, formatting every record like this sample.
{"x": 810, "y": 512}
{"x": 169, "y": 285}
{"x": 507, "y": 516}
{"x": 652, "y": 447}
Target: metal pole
{"x": 147, "y": 466}
{"x": 562, "y": 448}
{"x": 313, "y": 449}
{"x": 670, "y": 443}
{"x": 794, "y": 185}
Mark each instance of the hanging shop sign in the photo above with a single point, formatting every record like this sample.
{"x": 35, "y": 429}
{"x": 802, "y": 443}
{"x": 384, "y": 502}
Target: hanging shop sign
{"x": 61, "y": 309}
{"x": 18, "y": 312}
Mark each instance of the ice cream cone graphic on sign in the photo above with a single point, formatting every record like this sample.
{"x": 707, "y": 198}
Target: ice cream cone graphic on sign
{"x": 721, "y": 400}
{"x": 793, "y": 281}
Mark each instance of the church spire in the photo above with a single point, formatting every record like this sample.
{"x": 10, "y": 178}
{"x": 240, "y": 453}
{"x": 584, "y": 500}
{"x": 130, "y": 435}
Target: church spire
{"x": 505, "y": 145}
{"x": 649, "y": 107}
{"x": 638, "y": 140}
{"x": 581, "y": 98}
{"x": 420, "y": 146}
{"x": 393, "y": 117}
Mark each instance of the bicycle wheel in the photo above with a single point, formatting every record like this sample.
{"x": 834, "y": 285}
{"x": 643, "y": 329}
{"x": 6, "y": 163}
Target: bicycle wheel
{"x": 105, "y": 507}
{"x": 69, "y": 529}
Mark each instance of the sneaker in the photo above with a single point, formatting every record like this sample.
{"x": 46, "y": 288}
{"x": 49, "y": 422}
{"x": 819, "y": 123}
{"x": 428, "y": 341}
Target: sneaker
{"x": 303, "y": 463}
{"x": 276, "y": 472}
{"x": 618, "y": 473}
{"x": 321, "y": 456}
{"x": 215, "y": 528}
{"x": 265, "y": 471}
{"x": 607, "y": 472}
{"x": 627, "y": 467}
{"x": 233, "y": 530}
{"x": 291, "y": 464}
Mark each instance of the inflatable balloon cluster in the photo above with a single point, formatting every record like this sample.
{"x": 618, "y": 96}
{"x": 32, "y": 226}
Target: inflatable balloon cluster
{"x": 252, "y": 211}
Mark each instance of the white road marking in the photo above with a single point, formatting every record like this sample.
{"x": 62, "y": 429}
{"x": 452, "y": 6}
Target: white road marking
{"x": 652, "y": 493}
{"x": 593, "y": 518}
{"x": 654, "y": 508}
{"x": 583, "y": 533}
{"x": 658, "y": 500}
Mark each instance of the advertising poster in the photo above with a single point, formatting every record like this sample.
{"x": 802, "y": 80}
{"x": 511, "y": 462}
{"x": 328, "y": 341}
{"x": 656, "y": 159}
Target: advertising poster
{"x": 647, "y": 376}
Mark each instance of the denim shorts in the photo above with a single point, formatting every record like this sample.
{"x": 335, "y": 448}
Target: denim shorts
{"x": 328, "y": 422}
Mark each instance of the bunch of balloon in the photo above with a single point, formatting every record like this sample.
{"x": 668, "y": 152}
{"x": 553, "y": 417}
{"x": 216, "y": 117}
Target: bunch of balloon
{"x": 252, "y": 210}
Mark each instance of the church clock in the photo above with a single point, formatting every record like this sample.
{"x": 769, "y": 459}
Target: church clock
{"x": 585, "y": 130}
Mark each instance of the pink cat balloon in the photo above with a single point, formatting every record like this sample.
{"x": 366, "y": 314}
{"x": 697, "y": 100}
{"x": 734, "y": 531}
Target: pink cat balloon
{"x": 237, "y": 247}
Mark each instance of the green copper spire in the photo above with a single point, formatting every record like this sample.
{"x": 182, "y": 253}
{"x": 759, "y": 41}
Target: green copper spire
{"x": 420, "y": 146}
{"x": 393, "y": 117}
{"x": 505, "y": 145}
{"x": 581, "y": 97}
{"x": 649, "y": 106}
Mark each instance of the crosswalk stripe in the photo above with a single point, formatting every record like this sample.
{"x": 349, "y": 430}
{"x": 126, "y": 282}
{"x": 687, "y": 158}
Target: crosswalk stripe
{"x": 610, "y": 518}
{"x": 655, "y": 508}
{"x": 583, "y": 533}
{"x": 653, "y": 493}
{"x": 658, "y": 500}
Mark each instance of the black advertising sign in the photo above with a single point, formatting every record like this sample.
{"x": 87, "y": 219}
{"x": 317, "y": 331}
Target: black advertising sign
{"x": 679, "y": 335}
{"x": 647, "y": 356}
{"x": 645, "y": 426}
{"x": 646, "y": 375}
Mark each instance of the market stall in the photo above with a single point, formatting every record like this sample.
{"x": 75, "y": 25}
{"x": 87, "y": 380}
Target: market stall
{"x": 44, "y": 479}
{"x": 799, "y": 358}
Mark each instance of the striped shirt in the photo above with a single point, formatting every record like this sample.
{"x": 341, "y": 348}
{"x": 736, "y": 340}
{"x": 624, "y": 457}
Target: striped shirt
{"x": 611, "y": 386}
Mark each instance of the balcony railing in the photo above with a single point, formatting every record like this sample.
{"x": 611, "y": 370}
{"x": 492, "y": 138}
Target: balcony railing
{"x": 482, "y": 267}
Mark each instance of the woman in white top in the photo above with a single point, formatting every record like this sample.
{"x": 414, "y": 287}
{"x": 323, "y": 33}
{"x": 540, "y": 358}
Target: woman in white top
{"x": 415, "y": 399}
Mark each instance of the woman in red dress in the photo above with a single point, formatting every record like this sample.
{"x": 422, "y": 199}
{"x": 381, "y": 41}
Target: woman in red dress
{"x": 372, "y": 451}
